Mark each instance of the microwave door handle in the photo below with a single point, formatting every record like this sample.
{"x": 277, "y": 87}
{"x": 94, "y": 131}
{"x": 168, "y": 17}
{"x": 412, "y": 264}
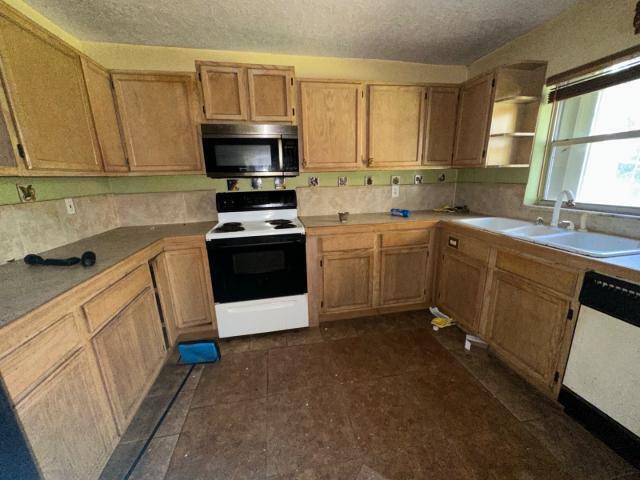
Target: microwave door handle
{"x": 280, "y": 156}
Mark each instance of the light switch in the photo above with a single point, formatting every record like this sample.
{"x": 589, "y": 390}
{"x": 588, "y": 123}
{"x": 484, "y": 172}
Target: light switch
{"x": 395, "y": 191}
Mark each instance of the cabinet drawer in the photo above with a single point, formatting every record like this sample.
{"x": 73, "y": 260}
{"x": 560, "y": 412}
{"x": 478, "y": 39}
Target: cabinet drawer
{"x": 338, "y": 243}
{"x": 30, "y": 363}
{"x": 402, "y": 239}
{"x": 466, "y": 245}
{"x": 105, "y": 305}
{"x": 558, "y": 279}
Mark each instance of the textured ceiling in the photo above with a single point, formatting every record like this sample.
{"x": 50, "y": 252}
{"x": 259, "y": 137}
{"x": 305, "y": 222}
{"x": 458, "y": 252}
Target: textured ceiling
{"x": 426, "y": 31}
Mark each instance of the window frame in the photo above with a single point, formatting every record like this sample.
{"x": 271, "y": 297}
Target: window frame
{"x": 550, "y": 143}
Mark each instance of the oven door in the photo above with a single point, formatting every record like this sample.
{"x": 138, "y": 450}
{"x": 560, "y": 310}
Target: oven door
{"x": 252, "y": 268}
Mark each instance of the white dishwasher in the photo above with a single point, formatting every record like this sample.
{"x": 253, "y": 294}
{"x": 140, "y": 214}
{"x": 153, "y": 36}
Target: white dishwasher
{"x": 601, "y": 385}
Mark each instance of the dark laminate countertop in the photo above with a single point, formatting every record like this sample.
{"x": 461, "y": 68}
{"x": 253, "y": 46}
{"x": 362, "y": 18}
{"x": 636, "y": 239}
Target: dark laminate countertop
{"x": 25, "y": 288}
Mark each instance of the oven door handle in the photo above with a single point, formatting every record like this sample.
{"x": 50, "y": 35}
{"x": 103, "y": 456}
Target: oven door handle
{"x": 218, "y": 246}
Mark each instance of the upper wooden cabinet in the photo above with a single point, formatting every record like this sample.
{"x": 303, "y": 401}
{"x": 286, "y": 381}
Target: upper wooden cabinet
{"x": 105, "y": 117}
{"x": 440, "y": 126}
{"x": 331, "y": 124}
{"x": 157, "y": 111}
{"x": 224, "y": 91}
{"x": 395, "y": 122}
{"x": 239, "y": 92}
{"x": 49, "y": 99}
{"x": 474, "y": 110}
{"x": 270, "y": 94}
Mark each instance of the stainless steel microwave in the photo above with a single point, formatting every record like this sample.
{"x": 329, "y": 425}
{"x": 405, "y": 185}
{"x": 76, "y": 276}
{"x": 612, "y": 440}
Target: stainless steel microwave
{"x": 250, "y": 150}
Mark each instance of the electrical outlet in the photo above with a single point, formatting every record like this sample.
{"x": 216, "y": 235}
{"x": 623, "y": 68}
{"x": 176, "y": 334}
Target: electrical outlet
{"x": 395, "y": 191}
{"x": 71, "y": 207}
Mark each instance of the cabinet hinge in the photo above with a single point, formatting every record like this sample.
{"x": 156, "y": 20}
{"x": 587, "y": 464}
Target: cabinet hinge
{"x": 203, "y": 110}
{"x": 199, "y": 76}
{"x": 20, "y": 150}
{"x": 493, "y": 82}
{"x": 570, "y": 314}
{"x": 293, "y": 110}
{"x": 321, "y": 263}
{"x": 362, "y": 93}
{"x": 322, "y": 304}
{"x": 556, "y": 377}
{"x": 292, "y": 82}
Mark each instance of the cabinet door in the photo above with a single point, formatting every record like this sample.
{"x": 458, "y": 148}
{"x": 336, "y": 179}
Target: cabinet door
{"x": 395, "y": 122}
{"x": 158, "y": 121}
{"x": 224, "y": 90}
{"x": 526, "y": 326}
{"x": 440, "y": 129}
{"x": 403, "y": 275}
{"x": 270, "y": 92}
{"x": 461, "y": 288}
{"x": 68, "y": 421}
{"x": 347, "y": 281}
{"x": 8, "y": 138}
{"x": 130, "y": 352}
{"x": 472, "y": 130}
{"x": 105, "y": 117}
{"x": 184, "y": 285}
{"x": 331, "y": 125}
{"x": 47, "y": 92}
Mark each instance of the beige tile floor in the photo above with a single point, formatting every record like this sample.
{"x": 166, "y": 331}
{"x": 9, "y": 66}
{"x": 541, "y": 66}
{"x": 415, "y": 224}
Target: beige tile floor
{"x": 375, "y": 398}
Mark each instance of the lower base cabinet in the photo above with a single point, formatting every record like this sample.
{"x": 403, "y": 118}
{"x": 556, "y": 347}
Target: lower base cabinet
{"x": 184, "y": 288}
{"x": 526, "y": 325}
{"x": 130, "y": 351}
{"x": 461, "y": 285}
{"x": 68, "y": 421}
{"x": 348, "y": 281}
{"x": 403, "y": 275}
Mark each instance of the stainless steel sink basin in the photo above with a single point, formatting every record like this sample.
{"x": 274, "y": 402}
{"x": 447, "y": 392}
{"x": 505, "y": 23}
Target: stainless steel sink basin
{"x": 585, "y": 243}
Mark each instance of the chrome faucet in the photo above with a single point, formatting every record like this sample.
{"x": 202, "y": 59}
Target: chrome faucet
{"x": 556, "y": 206}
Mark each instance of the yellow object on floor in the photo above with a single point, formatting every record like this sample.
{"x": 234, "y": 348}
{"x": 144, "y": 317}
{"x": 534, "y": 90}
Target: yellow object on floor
{"x": 442, "y": 322}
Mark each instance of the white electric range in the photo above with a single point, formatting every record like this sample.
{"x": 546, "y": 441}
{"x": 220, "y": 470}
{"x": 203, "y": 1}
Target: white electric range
{"x": 257, "y": 260}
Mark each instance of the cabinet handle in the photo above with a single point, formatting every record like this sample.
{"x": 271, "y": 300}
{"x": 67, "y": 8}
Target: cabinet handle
{"x": 453, "y": 242}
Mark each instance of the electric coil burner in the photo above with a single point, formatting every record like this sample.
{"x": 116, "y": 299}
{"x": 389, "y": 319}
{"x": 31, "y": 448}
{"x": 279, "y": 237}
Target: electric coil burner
{"x": 258, "y": 263}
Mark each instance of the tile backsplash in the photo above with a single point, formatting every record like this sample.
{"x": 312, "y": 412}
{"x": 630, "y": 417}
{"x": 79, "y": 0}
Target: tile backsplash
{"x": 506, "y": 200}
{"x": 32, "y": 228}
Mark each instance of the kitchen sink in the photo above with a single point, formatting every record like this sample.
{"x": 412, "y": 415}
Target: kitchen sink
{"x": 592, "y": 244}
{"x": 494, "y": 224}
{"x": 585, "y": 243}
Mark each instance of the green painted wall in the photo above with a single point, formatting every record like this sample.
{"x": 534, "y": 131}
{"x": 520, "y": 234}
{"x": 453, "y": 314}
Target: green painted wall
{"x": 52, "y": 188}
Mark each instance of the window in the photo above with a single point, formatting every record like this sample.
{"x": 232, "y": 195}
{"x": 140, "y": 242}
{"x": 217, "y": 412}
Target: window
{"x": 594, "y": 149}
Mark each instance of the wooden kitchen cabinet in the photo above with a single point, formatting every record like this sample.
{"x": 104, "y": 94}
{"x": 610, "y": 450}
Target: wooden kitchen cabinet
{"x": 46, "y": 90}
{"x": 526, "y": 326}
{"x": 157, "y": 112}
{"x": 270, "y": 94}
{"x": 68, "y": 421}
{"x": 440, "y": 126}
{"x": 461, "y": 282}
{"x": 243, "y": 92}
{"x": 8, "y": 140}
{"x": 472, "y": 126}
{"x": 331, "y": 125}
{"x": 105, "y": 116}
{"x": 131, "y": 351}
{"x": 347, "y": 281}
{"x": 224, "y": 91}
{"x": 184, "y": 287}
{"x": 403, "y": 275}
{"x": 395, "y": 125}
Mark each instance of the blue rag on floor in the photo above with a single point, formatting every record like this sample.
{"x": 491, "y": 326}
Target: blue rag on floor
{"x": 199, "y": 351}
